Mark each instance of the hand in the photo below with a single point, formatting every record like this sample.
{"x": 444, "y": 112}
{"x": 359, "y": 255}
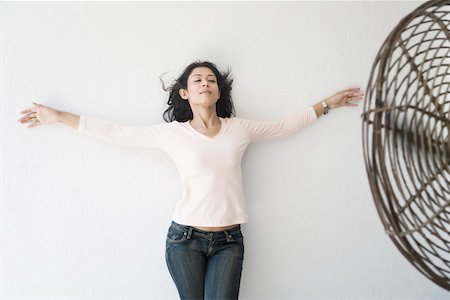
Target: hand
{"x": 39, "y": 114}
{"x": 344, "y": 97}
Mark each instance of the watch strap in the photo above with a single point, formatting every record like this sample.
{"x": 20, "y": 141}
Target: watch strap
{"x": 325, "y": 107}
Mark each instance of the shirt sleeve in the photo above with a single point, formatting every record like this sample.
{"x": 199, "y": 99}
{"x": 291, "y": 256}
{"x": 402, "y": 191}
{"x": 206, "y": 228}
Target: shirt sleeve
{"x": 267, "y": 130}
{"x": 110, "y": 132}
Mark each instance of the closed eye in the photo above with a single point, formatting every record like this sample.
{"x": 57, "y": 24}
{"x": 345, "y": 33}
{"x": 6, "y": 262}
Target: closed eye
{"x": 208, "y": 80}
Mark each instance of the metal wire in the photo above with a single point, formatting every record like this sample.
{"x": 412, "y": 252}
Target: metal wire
{"x": 406, "y": 139}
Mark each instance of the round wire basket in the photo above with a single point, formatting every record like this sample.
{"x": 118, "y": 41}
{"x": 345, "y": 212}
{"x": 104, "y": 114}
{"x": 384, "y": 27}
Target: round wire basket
{"x": 406, "y": 139}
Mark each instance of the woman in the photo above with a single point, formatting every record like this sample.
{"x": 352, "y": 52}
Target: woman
{"x": 204, "y": 245}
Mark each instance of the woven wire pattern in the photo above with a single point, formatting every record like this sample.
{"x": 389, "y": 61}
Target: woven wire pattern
{"x": 406, "y": 139}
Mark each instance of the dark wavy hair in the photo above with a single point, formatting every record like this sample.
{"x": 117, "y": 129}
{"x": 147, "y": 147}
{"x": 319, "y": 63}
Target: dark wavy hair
{"x": 180, "y": 109}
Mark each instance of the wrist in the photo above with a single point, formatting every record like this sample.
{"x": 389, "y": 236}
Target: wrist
{"x": 59, "y": 116}
{"x": 325, "y": 106}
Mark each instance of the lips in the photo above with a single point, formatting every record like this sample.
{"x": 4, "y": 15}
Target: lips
{"x": 205, "y": 92}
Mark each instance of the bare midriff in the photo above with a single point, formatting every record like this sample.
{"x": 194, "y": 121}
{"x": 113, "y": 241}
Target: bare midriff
{"x": 213, "y": 229}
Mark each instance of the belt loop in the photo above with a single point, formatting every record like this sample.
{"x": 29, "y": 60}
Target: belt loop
{"x": 228, "y": 236}
{"x": 189, "y": 232}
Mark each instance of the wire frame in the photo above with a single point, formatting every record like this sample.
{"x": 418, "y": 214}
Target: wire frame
{"x": 406, "y": 139}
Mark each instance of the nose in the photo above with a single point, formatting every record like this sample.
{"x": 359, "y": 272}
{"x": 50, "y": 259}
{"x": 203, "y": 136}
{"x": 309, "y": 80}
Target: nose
{"x": 205, "y": 83}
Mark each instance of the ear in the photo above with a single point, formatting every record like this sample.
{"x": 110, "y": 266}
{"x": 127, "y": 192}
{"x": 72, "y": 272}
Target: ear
{"x": 183, "y": 94}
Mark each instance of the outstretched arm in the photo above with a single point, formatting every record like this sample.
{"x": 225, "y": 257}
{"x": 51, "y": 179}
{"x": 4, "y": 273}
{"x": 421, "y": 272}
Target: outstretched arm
{"x": 267, "y": 130}
{"x": 69, "y": 119}
{"x": 107, "y": 131}
{"x": 258, "y": 130}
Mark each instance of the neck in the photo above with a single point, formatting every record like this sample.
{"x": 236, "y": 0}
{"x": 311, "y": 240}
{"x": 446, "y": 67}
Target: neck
{"x": 205, "y": 118}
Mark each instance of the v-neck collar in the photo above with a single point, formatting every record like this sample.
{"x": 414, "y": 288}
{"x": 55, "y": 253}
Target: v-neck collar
{"x": 222, "y": 127}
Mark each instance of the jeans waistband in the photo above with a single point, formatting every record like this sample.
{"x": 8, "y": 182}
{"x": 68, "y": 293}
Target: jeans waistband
{"x": 190, "y": 230}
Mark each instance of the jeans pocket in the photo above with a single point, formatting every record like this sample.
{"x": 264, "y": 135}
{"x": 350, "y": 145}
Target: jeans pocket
{"x": 238, "y": 236}
{"x": 239, "y": 240}
{"x": 175, "y": 235}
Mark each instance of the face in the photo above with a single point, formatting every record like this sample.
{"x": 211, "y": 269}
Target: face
{"x": 202, "y": 87}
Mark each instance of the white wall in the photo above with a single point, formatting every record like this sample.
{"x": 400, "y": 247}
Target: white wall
{"x": 81, "y": 218}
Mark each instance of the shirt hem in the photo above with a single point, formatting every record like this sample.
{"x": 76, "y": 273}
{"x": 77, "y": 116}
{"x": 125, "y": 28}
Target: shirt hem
{"x": 210, "y": 224}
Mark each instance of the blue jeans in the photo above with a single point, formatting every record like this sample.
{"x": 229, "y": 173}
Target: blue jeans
{"x": 205, "y": 265}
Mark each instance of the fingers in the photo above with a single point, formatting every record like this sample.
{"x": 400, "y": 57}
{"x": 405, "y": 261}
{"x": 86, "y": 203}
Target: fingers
{"x": 354, "y": 93}
{"x": 34, "y": 124}
{"x": 31, "y": 109}
{"x": 353, "y": 90}
{"x": 31, "y": 125}
{"x": 28, "y": 116}
{"x": 32, "y": 120}
{"x": 28, "y": 110}
{"x": 28, "y": 120}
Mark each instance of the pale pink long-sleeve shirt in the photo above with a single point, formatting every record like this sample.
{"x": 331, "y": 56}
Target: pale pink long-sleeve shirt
{"x": 209, "y": 167}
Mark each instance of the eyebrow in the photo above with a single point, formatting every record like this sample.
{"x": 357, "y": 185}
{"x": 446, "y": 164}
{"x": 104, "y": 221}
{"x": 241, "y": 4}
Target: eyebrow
{"x": 201, "y": 75}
